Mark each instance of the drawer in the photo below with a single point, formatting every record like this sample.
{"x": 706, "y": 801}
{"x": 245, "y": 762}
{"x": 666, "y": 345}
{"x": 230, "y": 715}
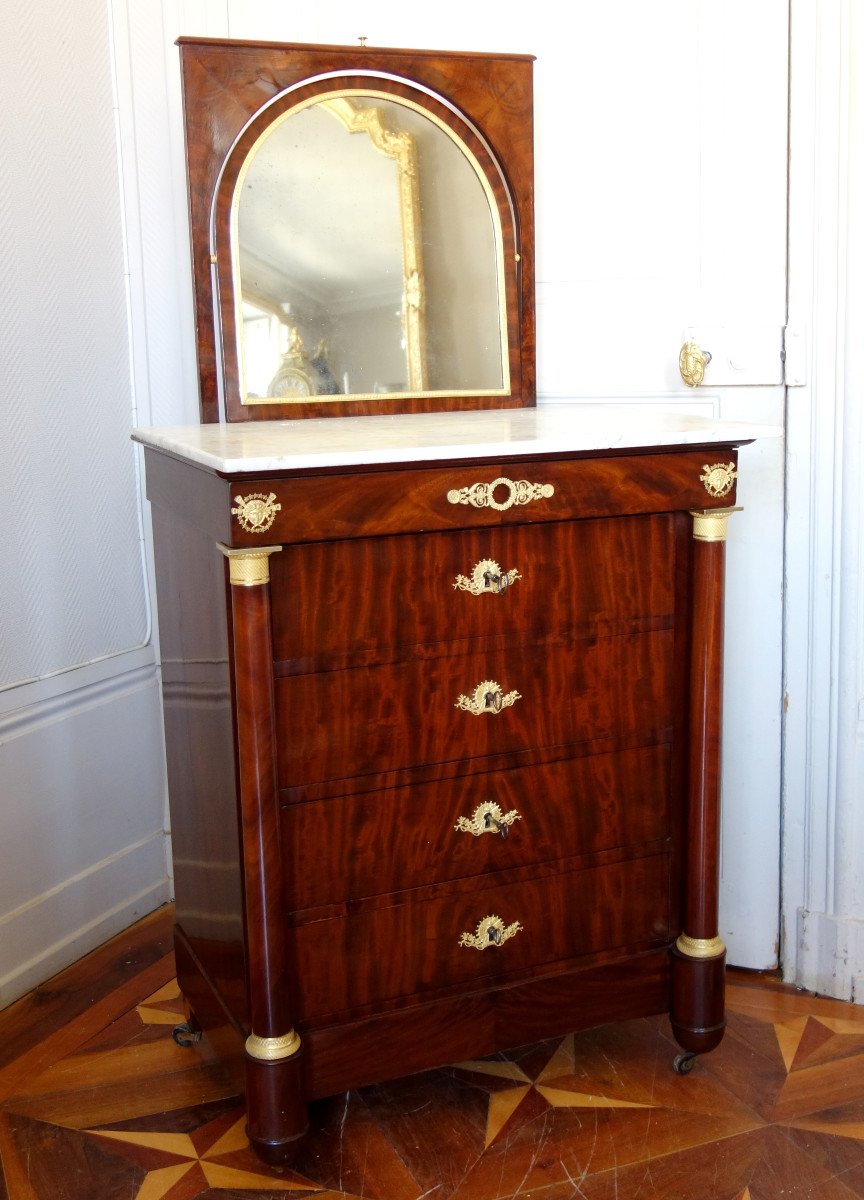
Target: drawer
{"x": 408, "y": 837}
{"x": 344, "y": 723}
{"x": 374, "y": 597}
{"x": 485, "y": 495}
{"x": 410, "y": 949}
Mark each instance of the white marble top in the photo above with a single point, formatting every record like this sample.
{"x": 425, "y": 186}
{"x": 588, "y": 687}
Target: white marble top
{"x": 259, "y": 446}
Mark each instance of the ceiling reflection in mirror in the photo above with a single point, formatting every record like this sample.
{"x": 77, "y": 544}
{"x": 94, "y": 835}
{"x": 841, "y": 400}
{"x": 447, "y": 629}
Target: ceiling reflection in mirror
{"x": 367, "y": 258}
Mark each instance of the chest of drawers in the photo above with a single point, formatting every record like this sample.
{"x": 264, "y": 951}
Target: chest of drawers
{"x": 443, "y": 752}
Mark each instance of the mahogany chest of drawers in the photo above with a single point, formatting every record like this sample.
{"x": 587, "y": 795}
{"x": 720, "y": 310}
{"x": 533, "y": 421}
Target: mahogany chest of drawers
{"x": 443, "y": 747}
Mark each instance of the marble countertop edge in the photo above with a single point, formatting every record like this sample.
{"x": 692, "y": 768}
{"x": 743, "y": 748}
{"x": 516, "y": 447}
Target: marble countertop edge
{"x": 263, "y": 446}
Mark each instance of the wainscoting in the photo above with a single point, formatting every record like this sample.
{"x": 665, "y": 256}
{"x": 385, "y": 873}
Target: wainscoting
{"x": 84, "y": 847}
{"x": 98, "y": 1103}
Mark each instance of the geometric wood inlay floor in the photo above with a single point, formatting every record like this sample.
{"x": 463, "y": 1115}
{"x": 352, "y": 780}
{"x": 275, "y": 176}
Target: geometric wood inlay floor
{"x": 98, "y": 1103}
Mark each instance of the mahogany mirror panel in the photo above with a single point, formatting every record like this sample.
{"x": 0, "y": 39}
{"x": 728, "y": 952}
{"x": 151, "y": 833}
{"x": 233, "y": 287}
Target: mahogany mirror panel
{"x": 362, "y": 229}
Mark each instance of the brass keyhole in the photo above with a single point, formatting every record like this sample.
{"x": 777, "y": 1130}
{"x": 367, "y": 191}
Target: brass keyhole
{"x": 499, "y": 826}
{"x": 492, "y": 701}
{"x": 496, "y": 582}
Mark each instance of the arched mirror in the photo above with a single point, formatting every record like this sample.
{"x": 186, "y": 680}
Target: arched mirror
{"x": 366, "y": 240}
{"x": 366, "y": 257}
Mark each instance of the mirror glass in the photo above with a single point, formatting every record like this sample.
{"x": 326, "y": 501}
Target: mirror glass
{"x": 367, "y": 257}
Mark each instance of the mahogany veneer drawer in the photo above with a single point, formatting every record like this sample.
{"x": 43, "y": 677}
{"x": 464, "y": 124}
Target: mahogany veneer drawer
{"x": 410, "y": 836}
{"x": 372, "y": 956}
{"x": 412, "y": 500}
{"x": 586, "y": 575}
{"x": 343, "y": 723}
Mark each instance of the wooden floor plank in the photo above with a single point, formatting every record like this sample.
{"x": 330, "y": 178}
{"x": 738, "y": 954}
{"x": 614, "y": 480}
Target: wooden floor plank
{"x": 68, "y": 1038}
{"x": 16, "y": 1178}
{"x": 112, "y": 1103}
{"x": 125, "y": 1065}
{"x": 54, "y": 1004}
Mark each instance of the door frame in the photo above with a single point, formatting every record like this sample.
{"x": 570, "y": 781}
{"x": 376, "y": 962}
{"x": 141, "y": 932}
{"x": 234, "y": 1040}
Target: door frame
{"x": 823, "y": 755}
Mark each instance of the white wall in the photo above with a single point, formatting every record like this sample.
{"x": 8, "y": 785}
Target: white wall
{"x": 82, "y": 840}
{"x": 97, "y": 329}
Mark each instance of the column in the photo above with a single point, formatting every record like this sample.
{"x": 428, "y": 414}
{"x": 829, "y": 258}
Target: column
{"x": 274, "y": 1093}
{"x": 699, "y": 955}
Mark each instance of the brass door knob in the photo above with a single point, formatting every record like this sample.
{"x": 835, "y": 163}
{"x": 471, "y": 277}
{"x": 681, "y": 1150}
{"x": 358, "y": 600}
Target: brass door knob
{"x": 692, "y": 362}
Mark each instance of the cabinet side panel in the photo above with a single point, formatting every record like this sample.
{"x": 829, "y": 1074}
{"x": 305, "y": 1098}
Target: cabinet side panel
{"x": 199, "y": 736}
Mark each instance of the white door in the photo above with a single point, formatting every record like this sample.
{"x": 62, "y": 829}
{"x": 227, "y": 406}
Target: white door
{"x": 662, "y": 190}
{"x": 661, "y": 133}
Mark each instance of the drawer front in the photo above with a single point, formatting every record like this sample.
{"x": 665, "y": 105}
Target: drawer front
{"x": 374, "y": 956}
{"x": 344, "y": 723}
{"x": 409, "y": 837}
{"x": 372, "y": 597}
{"x": 309, "y": 508}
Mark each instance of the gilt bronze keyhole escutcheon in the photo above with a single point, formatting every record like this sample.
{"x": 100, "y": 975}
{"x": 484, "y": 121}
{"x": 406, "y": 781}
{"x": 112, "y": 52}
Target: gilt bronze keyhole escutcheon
{"x": 491, "y": 931}
{"x": 488, "y": 817}
{"x": 486, "y": 578}
{"x": 487, "y": 697}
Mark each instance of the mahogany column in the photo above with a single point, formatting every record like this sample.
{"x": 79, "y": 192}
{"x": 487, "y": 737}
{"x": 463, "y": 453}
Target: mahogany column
{"x": 275, "y": 1101}
{"x": 699, "y": 955}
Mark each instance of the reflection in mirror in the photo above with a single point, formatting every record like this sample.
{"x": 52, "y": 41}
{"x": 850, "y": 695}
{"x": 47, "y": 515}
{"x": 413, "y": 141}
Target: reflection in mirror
{"x": 367, "y": 257}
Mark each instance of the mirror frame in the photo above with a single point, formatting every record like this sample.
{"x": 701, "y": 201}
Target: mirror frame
{"x": 233, "y": 90}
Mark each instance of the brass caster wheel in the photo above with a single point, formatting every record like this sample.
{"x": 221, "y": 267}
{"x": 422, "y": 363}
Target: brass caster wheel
{"x": 186, "y": 1035}
{"x": 683, "y": 1063}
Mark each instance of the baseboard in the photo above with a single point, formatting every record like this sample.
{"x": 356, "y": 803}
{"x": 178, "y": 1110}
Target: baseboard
{"x": 831, "y": 955}
{"x": 84, "y": 846}
{"x": 91, "y": 908}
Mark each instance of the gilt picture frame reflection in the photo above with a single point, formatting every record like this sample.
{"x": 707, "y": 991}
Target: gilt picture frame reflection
{"x": 367, "y": 258}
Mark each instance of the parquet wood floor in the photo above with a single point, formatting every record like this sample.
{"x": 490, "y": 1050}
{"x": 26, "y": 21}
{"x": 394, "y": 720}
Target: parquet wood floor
{"x": 97, "y": 1103}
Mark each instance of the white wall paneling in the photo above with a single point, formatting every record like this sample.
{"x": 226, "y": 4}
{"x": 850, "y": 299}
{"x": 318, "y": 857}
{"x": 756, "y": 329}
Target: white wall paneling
{"x": 152, "y": 164}
{"x": 86, "y": 856}
{"x": 824, "y": 745}
{"x": 82, "y": 845}
{"x": 72, "y": 587}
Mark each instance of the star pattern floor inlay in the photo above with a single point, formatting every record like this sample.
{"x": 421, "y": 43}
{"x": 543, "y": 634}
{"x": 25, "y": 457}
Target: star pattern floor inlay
{"x": 122, "y": 1113}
